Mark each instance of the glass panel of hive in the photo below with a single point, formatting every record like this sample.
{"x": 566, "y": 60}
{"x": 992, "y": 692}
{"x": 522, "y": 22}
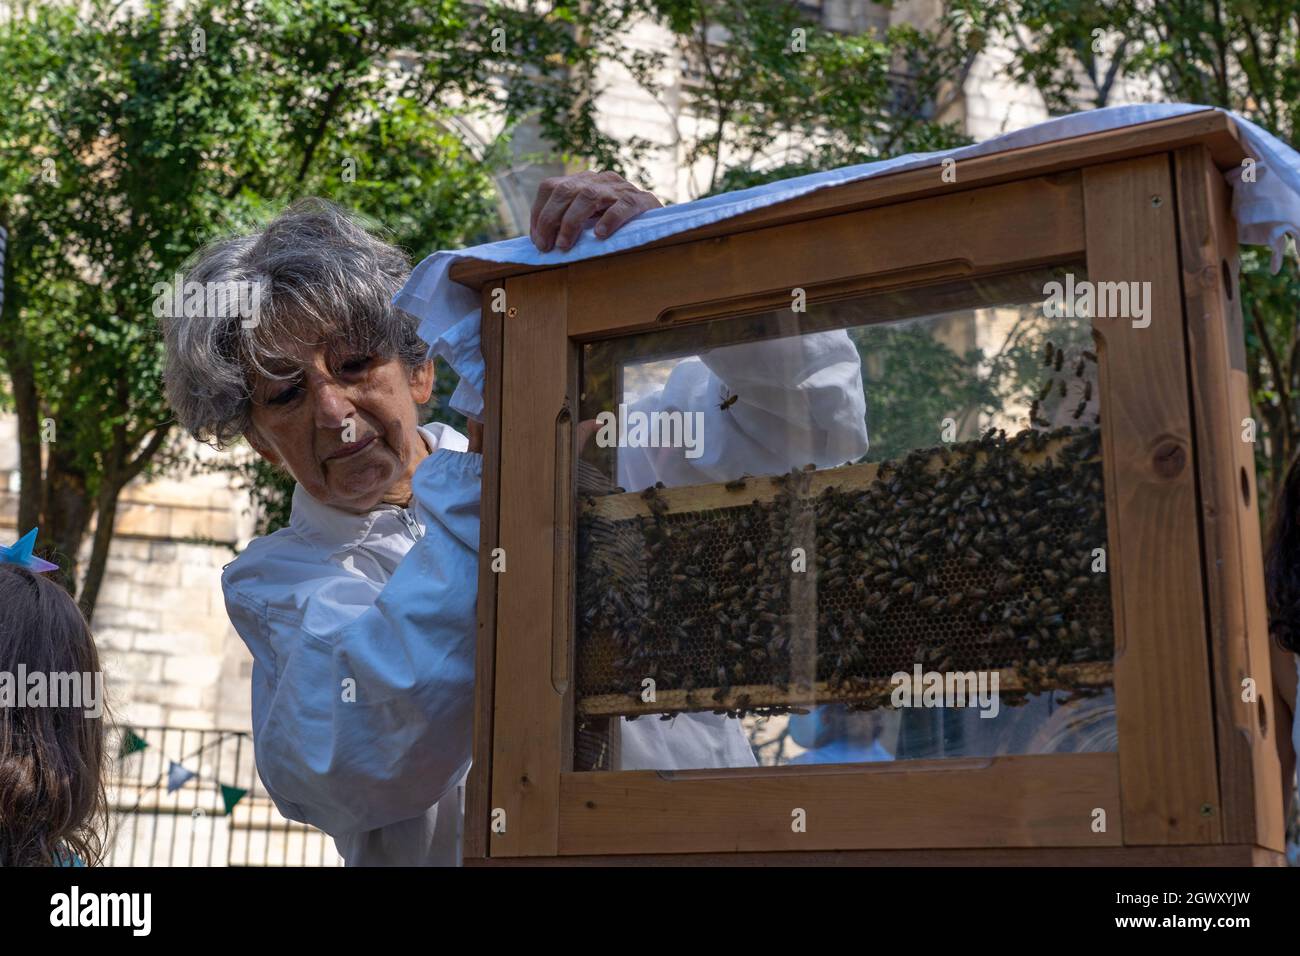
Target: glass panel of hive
{"x": 874, "y": 530}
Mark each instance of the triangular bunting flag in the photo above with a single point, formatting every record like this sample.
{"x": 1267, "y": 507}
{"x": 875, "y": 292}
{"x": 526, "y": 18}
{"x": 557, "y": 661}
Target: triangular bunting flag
{"x": 231, "y": 796}
{"x": 131, "y": 743}
{"x": 177, "y": 777}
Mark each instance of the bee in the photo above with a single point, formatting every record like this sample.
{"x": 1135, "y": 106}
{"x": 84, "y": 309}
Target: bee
{"x": 1047, "y": 359}
{"x": 735, "y": 485}
{"x": 1060, "y": 357}
{"x": 1062, "y": 388}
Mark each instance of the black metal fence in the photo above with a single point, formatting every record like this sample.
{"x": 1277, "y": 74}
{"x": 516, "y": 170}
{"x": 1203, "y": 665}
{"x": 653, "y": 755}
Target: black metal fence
{"x": 182, "y": 797}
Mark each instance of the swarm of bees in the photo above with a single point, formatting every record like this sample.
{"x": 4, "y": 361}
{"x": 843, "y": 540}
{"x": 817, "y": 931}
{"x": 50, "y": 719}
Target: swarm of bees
{"x": 967, "y": 556}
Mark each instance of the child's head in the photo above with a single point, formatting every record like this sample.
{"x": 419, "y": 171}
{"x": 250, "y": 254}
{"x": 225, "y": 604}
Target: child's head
{"x": 52, "y": 798}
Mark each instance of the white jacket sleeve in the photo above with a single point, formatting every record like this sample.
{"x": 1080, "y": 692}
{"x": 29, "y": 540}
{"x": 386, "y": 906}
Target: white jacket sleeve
{"x": 345, "y": 761}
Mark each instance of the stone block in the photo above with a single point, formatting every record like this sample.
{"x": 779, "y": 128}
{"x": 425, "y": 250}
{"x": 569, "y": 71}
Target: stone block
{"x": 132, "y": 618}
{"x": 192, "y": 718}
{"x": 133, "y": 666}
{"x": 150, "y": 521}
{"x": 183, "y": 696}
{"x": 196, "y": 669}
{"x": 139, "y": 713}
{"x": 171, "y": 641}
{"x": 112, "y": 638}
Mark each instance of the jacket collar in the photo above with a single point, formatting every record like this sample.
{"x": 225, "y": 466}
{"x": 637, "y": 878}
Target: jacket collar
{"x": 333, "y": 529}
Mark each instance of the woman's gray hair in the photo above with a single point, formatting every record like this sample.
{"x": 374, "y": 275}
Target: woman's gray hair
{"x": 318, "y": 277}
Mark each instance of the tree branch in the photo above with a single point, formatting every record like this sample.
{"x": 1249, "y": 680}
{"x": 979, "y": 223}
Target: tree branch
{"x": 134, "y": 466}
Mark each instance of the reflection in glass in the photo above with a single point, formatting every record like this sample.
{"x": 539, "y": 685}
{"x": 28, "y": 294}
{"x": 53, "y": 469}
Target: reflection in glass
{"x": 780, "y": 512}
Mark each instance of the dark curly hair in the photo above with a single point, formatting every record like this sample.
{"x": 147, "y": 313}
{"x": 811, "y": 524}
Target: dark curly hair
{"x": 53, "y": 803}
{"x": 1282, "y": 563}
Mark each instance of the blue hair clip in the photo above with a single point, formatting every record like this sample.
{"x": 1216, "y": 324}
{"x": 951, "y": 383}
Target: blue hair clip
{"x": 21, "y": 555}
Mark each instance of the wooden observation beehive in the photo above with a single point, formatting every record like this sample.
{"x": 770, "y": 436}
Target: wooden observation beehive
{"x": 1063, "y": 501}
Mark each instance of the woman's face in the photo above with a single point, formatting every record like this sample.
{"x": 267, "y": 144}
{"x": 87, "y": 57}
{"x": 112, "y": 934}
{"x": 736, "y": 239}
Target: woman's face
{"x": 343, "y": 425}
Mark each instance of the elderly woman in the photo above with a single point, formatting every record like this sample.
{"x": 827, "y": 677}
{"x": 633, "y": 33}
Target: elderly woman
{"x": 360, "y": 615}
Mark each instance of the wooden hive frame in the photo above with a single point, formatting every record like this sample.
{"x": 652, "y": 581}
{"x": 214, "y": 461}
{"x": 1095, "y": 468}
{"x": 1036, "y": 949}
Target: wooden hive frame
{"x": 1196, "y": 779}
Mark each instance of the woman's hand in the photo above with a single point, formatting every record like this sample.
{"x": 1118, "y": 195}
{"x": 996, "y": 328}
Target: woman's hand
{"x": 474, "y": 431}
{"x": 566, "y": 205}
